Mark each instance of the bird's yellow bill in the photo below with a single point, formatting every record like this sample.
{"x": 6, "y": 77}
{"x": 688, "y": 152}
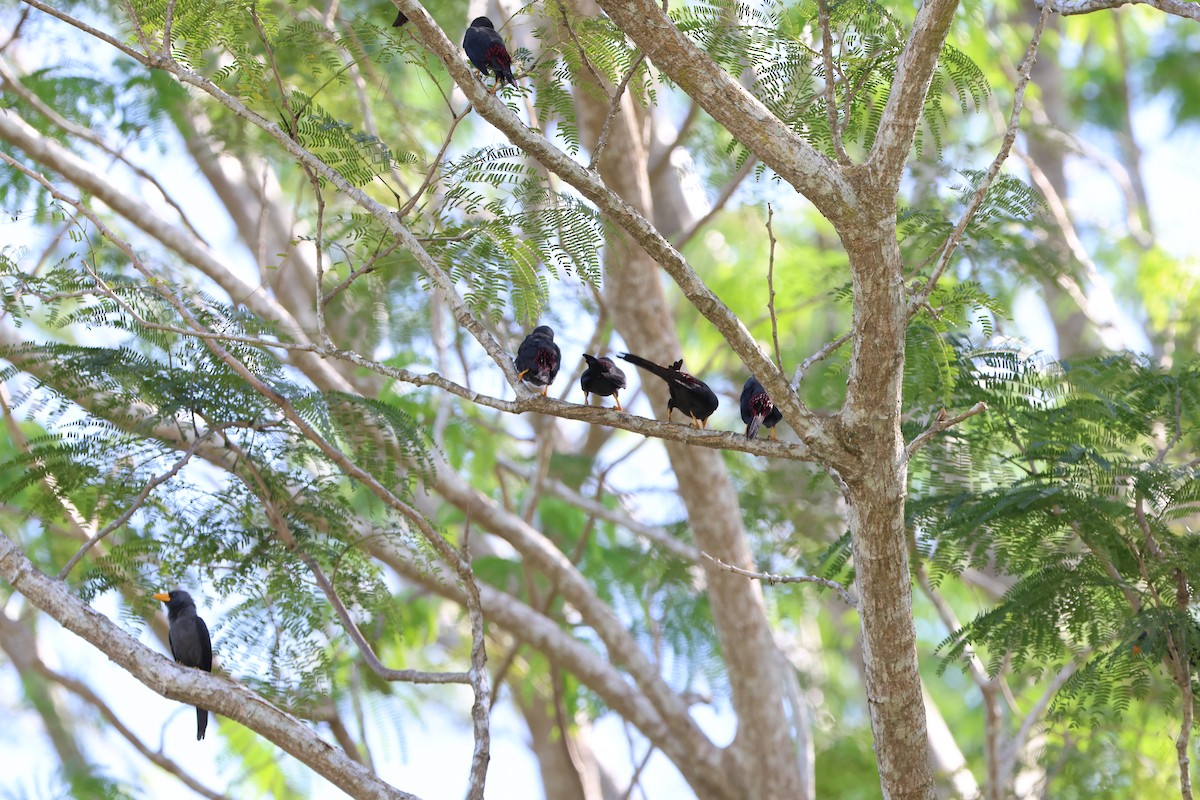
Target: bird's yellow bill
{"x": 163, "y": 596}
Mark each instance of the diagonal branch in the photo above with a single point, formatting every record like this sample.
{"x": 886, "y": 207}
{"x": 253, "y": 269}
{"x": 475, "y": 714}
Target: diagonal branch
{"x": 771, "y": 579}
{"x": 808, "y": 426}
{"x": 188, "y": 685}
{"x": 941, "y": 423}
{"x": 1010, "y": 135}
{"x": 613, "y": 107}
{"x": 808, "y": 171}
{"x": 910, "y": 87}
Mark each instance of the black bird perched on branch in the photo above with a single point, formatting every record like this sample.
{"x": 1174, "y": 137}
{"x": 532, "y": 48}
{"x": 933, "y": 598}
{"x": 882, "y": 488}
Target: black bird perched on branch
{"x": 602, "y": 377}
{"x": 190, "y": 643}
{"x": 688, "y": 394}
{"x": 538, "y": 358}
{"x": 486, "y": 50}
{"x": 401, "y": 18}
{"x": 757, "y": 408}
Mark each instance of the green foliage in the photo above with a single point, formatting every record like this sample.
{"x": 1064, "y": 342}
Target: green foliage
{"x": 1076, "y": 483}
{"x": 517, "y": 238}
{"x": 782, "y": 46}
{"x": 223, "y": 533}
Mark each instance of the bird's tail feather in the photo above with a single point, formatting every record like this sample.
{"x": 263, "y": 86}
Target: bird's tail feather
{"x": 649, "y": 366}
{"x": 752, "y": 428}
{"x": 201, "y": 723}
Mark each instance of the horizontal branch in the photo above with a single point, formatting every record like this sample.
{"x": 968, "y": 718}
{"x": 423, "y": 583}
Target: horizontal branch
{"x": 1178, "y": 8}
{"x": 771, "y": 579}
{"x": 188, "y": 685}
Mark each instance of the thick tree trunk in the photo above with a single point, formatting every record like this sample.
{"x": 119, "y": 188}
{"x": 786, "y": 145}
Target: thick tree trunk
{"x": 875, "y": 486}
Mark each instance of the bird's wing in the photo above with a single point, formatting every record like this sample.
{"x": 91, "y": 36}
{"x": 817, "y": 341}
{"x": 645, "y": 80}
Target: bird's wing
{"x": 497, "y": 53}
{"x": 205, "y": 646}
{"x": 616, "y": 375}
{"x": 171, "y": 641}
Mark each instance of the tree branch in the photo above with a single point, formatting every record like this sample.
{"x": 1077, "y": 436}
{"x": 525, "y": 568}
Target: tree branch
{"x": 941, "y": 423}
{"x": 1178, "y": 8}
{"x": 1010, "y": 135}
{"x": 188, "y": 685}
{"x": 772, "y": 580}
{"x": 808, "y": 426}
{"x": 902, "y": 114}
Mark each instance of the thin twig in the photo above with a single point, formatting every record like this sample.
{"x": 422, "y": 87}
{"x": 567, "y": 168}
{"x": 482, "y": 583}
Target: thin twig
{"x": 831, "y": 109}
{"x": 993, "y": 169}
{"x": 16, "y": 31}
{"x": 368, "y": 266}
{"x": 664, "y": 158}
{"x": 9, "y": 76}
{"x": 771, "y": 579}
{"x": 167, "y": 24}
{"x": 614, "y": 106}
{"x": 141, "y": 497}
{"x": 84, "y": 692}
{"x": 566, "y": 20}
{"x": 941, "y": 423}
{"x": 455, "y": 118}
{"x": 771, "y": 288}
{"x": 635, "y": 779}
{"x": 726, "y": 192}
{"x": 820, "y": 355}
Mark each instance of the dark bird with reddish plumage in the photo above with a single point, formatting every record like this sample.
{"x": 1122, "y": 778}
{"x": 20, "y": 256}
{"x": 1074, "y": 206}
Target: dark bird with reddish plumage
{"x": 757, "y": 408}
{"x": 190, "y": 642}
{"x": 602, "y": 377}
{"x": 538, "y": 358}
{"x": 486, "y": 50}
{"x": 688, "y": 394}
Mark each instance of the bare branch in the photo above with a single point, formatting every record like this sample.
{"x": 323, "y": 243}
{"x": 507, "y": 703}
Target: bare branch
{"x": 831, "y": 109}
{"x": 583, "y": 57}
{"x": 1178, "y": 8}
{"x": 156, "y": 757}
{"x": 723, "y": 197}
{"x": 151, "y": 485}
{"x": 455, "y": 118}
{"x": 771, "y": 288}
{"x": 1010, "y": 135}
{"x": 941, "y": 423}
{"x": 771, "y": 580}
{"x": 820, "y": 355}
{"x": 613, "y": 108}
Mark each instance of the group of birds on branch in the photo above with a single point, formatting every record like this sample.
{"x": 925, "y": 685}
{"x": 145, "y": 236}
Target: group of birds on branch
{"x": 538, "y": 360}
{"x": 484, "y": 47}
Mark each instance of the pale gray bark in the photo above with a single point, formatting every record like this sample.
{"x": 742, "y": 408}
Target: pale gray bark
{"x": 191, "y": 686}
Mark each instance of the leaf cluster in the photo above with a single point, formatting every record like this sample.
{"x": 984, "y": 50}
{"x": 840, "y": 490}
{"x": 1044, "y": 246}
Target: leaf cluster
{"x": 122, "y": 410}
{"x": 1080, "y": 482}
